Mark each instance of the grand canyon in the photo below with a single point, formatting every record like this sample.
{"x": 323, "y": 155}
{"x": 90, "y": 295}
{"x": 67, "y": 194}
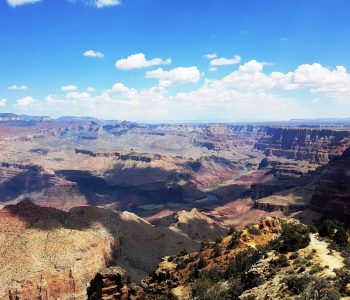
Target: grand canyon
{"x": 174, "y": 150}
{"x": 87, "y": 201}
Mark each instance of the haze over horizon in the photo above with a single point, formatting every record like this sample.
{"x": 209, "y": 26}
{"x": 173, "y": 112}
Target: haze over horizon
{"x": 156, "y": 61}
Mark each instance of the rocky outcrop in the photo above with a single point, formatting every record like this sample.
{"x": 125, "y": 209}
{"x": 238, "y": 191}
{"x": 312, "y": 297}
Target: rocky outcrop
{"x": 313, "y": 145}
{"x": 108, "y": 284}
{"x": 193, "y": 224}
{"x": 51, "y": 254}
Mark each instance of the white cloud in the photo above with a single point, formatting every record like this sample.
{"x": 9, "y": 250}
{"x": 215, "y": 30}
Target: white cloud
{"x": 93, "y": 53}
{"x": 119, "y": 88}
{"x": 210, "y": 56}
{"x": 3, "y": 102}
{"x": 250, "y": 92}
{"x": 18, "y": 87}
{"x": 77, "y": 95}
{"x": 137, "y": 61}
{"x": 175, "y": 76}
{"x": 90, "y": 89}
{"x": 222, "y": 61}
{"x": 26, "y": 101}
{"x": 106, "y": 3}
{"x": 213, "y": 69}
{"x": 69, "y": 88}
{"x": 15, "y": 3}
{"x": 283, "y": 39}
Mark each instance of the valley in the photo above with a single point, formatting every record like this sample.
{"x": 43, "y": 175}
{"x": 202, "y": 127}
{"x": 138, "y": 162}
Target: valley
{"x": 118, "y": 189}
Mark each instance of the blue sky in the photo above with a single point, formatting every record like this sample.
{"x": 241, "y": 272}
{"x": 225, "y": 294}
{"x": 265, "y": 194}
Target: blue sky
{"x": 148, "y": 59}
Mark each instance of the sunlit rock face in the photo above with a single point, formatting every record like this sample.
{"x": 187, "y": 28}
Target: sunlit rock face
{"x": 314, "y": 145}
{"x": 55, "y": 254}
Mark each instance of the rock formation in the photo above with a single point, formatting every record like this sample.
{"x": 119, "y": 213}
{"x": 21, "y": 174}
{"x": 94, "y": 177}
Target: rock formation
{"x": 108, "y": 284}
{"x": 45, "y": 251}
{"x": 314, "y": 145}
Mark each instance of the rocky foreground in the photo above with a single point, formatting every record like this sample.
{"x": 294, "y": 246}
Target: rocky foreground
{"x": 51, "y": 254}
{"x": 274, "y": 259}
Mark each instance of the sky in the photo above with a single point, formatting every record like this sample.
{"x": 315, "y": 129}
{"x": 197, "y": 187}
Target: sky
{"x": 176, "y": 60}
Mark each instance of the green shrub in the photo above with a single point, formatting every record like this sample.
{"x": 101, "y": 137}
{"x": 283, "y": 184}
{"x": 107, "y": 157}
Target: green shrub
{"x": 293, "y": 238}
{"x": 329, "y": 227}
{"x": 320, "y": 289}
{"x": 234, "y": 242}
{"x": 297, "y": 284}
{"x": 253, "y": 230}
{"x": 217, "y": 250}
{"x": 279, "y": 262}
{"x": 343, "y": 279}
{"x": 315, "y": 269}
{"x": 341, "y": 238}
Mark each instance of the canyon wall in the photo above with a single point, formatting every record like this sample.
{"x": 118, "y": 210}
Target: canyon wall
{"x": 313, "y": 145}
{"x": 332, "y": 194}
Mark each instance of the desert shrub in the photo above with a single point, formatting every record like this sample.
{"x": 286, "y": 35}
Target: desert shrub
{"x": 218, "y": 240}
{"x": 280, "y": 262}
{"x": 200, "y": 287}
{"x": 234, "y": 242}
{"x": 183, "y": 252}
{"x": 202, "y": 263}
{"x": 315, "y": 269}
{"x": 216, "y": 250}
{"x": 342, "y": 280}
{"x": 231, "y": 231}
{"x": 251, "y": 279}
{"x": 171, "y": 258}
{"x": 205, "y": 289}
{"x": 313, "y": 229}
{"x": 214, "y": 274}
{"x": 293, "y": 238}
{"x": 235, "y": 288}
{"x": 253, "y": 230}
{"x": 341, "y": 238}
{"x": 320, "y": 289}
{"x": 301, "y": 269}
{"x": 329, "y": 227}
{"x": 294, "y": 255}
{"x": 297, "y": 284}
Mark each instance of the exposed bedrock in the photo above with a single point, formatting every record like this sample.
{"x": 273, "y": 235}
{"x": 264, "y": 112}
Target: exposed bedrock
{"x": 313, "y": 145}
{"x": 271, "y": 207}
{"x": 55, "y": 254}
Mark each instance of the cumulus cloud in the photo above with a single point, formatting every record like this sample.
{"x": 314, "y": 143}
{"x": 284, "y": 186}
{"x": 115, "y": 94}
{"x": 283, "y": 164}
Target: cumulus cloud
{"x": 3, "y": 102}
{"x": 15, "y": 3}
{"x": 69, "y": 88}
{"x": 77, "y": 95}
{"x": 18, "y": 87}
{"x": 138, "y": 61}
{"x": 249, "y": 92}
{"x": 175, "y": 76}
{"x": 222, "y": 61}
{"x": 210, "y": 55}
{"x": 26, "y": 101}
{"x": 93, "y": 53}
{"x": 106, "y": 3}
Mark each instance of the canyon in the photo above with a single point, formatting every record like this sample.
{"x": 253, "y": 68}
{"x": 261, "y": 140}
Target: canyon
{"x": 79, "y": 195}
